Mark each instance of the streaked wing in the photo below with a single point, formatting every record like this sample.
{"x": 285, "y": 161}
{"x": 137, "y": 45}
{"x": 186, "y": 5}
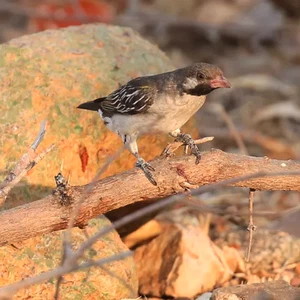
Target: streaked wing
{"x": 128, "y": 99}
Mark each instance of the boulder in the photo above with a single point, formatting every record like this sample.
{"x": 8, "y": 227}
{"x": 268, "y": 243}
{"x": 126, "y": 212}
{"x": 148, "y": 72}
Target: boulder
{"x": 43, "y": 253}
{"x": 45, "y": 76}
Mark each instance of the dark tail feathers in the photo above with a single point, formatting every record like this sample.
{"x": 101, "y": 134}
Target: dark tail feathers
{"x": 91, "y": 105}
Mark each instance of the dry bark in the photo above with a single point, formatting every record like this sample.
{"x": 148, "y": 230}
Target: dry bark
{"x": 172, "y": 175}
{"x": 275, "y": 290}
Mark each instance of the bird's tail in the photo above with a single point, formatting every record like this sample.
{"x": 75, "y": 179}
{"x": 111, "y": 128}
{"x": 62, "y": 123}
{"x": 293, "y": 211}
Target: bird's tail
{"x": 91, "y": 105}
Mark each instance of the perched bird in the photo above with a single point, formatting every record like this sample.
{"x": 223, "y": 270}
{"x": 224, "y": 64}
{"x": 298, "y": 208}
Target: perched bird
{"x": 158, "y": 103}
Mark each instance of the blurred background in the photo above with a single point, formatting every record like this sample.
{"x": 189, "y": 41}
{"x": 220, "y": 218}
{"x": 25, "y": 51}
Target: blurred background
{"x": 255, "y": 42}
{"x": 257, "y": 45}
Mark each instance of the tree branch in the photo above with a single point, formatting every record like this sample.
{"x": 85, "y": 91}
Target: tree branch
{"x": 172, "y": 175}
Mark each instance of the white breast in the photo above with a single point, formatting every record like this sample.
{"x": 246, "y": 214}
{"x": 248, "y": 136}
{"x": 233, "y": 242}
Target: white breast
{"x": 165, "y": 115}
{"x": 173, "y": 113}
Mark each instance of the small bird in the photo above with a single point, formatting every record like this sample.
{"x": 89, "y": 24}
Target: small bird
{"x": 160, "y": 103}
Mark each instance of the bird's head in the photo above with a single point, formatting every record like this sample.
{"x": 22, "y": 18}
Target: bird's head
{"x": 201, "y": 79}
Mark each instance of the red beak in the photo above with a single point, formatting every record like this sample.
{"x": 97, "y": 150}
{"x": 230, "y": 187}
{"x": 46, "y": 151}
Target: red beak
{"x": 220, "y": 82}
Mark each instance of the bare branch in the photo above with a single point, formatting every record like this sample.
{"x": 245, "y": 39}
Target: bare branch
{"x": 40, "y": 136}
{"x": 85, "y": 194}
{"x": 128, "y": 187}
{"x": 71, "y": 263}
{"x": 26, "y": 163}
{"x": 67, "y": 242}
{"x": 8, "y": 291}
{"x": 172, "y": 147}
{"x": 260, "y": 179}
{"x": 251, "y": 226}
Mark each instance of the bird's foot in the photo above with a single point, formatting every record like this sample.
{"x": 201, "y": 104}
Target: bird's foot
{"x": 187, "y": 140}
{"x": 146, "y": 168}
{"x": 170, "y": 149}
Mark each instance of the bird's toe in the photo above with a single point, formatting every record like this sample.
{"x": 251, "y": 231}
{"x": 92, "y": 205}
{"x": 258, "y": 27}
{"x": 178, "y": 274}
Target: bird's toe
{"x": 146, "y": 168}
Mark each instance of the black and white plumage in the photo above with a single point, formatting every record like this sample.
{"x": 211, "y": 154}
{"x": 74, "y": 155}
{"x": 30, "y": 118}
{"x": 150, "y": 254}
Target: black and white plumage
{"x": 128, "y": 99}
{"x": 158, "y": 103}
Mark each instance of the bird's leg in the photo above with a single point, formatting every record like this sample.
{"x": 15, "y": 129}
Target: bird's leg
{"x": 131, "y": 144}
{"x": 146, "y": 168}
{"x": 187, "y": 140}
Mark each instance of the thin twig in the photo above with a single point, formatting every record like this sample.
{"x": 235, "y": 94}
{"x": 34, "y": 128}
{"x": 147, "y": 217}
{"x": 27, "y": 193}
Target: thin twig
{"x": 172, "y": 147}
{"x": 60, "y": 278}
{"x": 8, "y": 291}
{"x": 40, "y": 136}
{"x": 67, "y": 242}
{"x": 251, "y": 226}
{"x": 26, "y": 163}
{"x": 231, "y": 126}
{"x": 40, "y": 156}
{"x": 75, "y": 211}
{"x": 122, "y": 281}
{"x": 57, "y": 286}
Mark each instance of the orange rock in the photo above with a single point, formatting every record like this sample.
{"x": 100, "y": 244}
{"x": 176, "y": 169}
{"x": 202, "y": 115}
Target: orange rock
{"x": 43, "y": 253}
{"x": 45, "y": 76}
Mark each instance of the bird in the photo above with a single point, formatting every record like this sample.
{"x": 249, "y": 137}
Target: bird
{"x": 160, "y": 103}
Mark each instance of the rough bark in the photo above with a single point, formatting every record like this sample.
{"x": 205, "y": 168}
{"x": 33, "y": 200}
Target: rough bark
{"x": 172, "y": 175}
{"x": 275, "y": 290}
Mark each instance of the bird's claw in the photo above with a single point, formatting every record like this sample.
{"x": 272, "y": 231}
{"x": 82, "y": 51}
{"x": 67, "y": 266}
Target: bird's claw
{"x": 168, "y": 151}
{"x": 146, "y": 168}
{"x": 187, "y": 140}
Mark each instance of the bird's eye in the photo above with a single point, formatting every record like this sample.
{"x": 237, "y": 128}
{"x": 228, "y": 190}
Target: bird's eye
{"x": 200, "y": 75}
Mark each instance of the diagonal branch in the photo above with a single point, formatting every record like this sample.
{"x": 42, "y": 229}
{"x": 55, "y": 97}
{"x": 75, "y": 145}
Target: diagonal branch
{"x": 172, "y": 175}
{"x": 26, "y": 163}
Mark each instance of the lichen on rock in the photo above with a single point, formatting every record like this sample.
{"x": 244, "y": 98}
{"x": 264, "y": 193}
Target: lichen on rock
{"x": 46, "y": 76}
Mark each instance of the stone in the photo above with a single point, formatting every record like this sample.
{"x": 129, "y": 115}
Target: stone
{"x": 43, "y": 253}
{"x": 45, "y": 76}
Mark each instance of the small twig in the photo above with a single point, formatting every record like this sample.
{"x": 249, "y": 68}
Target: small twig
{"x": 231, "y": 126}
{"x": 8, "y": 291}
{"x": 67, "y": 241}
{"x": 251, "y": 226}
{"x": 76, "y": 208}
{"x": 66, "y": 252}
{"x": 26, "y": 163}
{"x": 58, "y": 283}
{"x": 172, "y": 147}
{"x": 122, "y": 281}
{"x": 40, "y": 136}
{"x": 109, "y": 272}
